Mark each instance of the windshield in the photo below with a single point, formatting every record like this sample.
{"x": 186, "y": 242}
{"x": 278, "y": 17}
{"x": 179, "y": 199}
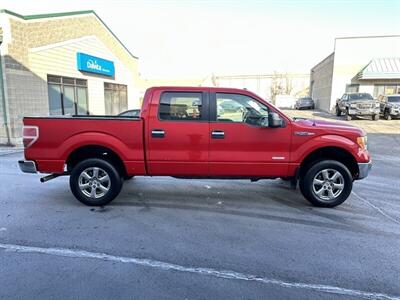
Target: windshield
{"x": 360, "y": 96}
{"x": 394, "y": 99}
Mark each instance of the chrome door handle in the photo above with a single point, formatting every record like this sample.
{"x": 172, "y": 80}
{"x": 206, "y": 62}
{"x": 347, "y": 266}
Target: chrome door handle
{"x": 157, "y": 133}
{"x": 217, "y": 134}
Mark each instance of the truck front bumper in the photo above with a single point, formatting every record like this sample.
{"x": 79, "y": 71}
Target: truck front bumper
{"x": 395, "y": 112}
{"x": 27, "y": 166}
{"x": 363, "y": 169}
{"x": 364, "y": 112}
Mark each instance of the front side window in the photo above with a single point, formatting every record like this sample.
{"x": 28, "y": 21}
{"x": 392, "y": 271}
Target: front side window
{"x": 239, "y": 109}
{"x": 67, "y": 96}
{"x": 181, "y": 106}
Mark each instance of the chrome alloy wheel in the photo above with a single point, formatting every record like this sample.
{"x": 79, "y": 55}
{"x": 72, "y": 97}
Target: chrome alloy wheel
{"x": 94, "y": 182}
{"x": 328, "y": 184}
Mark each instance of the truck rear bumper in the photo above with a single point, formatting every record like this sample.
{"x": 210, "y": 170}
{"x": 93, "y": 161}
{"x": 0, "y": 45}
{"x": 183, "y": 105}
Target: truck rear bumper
{"x": 364, "y": 169}
{"x": 27, "y": 166}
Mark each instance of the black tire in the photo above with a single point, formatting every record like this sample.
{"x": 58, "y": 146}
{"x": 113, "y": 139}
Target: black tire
{"x": 307, "y": 185}
{"x": 285, "y": 178}
{"x": 338, "y": 111}
{"x": 387, "y": 115}
{"x": 108, "y": 190}
{"x": 348, "y": 117}
{"x": 375, "y": 117}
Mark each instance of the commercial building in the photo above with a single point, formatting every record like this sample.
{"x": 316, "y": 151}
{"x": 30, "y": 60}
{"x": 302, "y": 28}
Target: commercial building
{"x": 59, "y": 64}
{"x": 358, "y": 64}
{"x": 271, "y": 86}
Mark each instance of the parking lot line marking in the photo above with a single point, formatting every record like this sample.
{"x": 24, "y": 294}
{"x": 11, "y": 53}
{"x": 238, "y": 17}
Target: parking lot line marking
{"x": 376, "y": 208}
{"x": 226, "y": 274}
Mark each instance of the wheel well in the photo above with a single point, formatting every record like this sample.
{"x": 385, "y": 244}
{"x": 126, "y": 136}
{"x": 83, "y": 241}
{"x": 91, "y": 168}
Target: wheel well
{"x": 93, "y": 151}
{"x": 330, "y": 153}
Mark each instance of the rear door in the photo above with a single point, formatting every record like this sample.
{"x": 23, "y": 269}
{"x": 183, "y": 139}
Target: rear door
{"x": 239, "y": 146}
{"x": 178, "y": 133}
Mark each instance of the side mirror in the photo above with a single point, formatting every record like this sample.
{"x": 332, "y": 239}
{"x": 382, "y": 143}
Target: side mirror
{"x": 274, "y": 120}
{"x": 264, "y": 122}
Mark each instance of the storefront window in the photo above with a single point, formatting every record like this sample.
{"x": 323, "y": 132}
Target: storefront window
{"x": 116, "y": 98}
{"x": 67, "y": 96}
{"x": 352, "y": 88}
{"x": 55, "y": 107}
{"x": 82, "y": 106}
{"x": 386, "y": 89}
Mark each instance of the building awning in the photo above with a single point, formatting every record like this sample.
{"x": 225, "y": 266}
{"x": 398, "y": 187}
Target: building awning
{"x": 381, "y": 68}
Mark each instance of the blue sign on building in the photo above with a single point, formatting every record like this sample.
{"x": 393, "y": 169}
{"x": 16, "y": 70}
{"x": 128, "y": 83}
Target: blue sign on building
{"x": 93, "y": 64}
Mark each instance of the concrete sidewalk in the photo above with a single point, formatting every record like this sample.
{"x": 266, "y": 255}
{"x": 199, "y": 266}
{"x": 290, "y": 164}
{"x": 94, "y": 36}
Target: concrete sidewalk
{"x": 5, "y": 150}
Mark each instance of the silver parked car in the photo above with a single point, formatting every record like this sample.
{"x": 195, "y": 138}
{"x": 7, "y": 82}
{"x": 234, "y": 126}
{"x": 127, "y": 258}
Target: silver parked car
{"x": 390, "y": 106}
{"x": 357, "y": 104}
{"x": 306, "y": 103}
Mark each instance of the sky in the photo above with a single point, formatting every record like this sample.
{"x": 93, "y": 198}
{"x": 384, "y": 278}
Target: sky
{"x": 193, "y": 39}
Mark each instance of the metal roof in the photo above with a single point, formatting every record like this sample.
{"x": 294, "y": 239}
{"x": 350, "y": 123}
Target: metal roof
{"x": 381, "y": 68}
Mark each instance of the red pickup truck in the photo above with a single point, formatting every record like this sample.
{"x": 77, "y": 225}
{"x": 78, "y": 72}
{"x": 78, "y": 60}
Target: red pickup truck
{"x": 197, "y": 133}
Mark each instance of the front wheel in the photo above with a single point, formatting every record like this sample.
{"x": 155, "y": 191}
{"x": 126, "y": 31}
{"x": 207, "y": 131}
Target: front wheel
{"x": 326, "y": 184}
{"x": 387, "y": 115}
{"x": 95, "y": 182}
{"x": 375, "y": 117}
{"x": 338, "y": 112}
{"x": 348, "y": 116}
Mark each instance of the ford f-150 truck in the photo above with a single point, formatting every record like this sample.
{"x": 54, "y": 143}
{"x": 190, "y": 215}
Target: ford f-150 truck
{"x": 186, "y": 133}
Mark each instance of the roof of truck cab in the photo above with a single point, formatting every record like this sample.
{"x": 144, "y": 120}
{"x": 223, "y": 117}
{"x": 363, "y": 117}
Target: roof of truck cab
{"x": 200, "y": 88}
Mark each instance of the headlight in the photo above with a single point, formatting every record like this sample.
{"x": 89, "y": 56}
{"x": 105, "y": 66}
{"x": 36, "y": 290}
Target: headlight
{"x": 376, "y": 104}
{"x": 362, "y": 142}
{"x": 353, "y": 105}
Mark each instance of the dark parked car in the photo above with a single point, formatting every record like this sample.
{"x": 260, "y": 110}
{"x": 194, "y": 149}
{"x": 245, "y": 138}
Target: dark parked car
{"x": 390, "y": 106}
{"x": 306, "y": 103}
{"x": 130, "y": 113}
{"x": 357, "y": 104}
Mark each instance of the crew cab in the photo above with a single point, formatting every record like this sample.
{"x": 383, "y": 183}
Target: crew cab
{"x": 189, "y": 133}
{"x": 357, "y": 104}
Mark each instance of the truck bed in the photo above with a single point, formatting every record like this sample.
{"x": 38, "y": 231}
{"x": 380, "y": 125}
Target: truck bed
{"x": 60, "y": 136}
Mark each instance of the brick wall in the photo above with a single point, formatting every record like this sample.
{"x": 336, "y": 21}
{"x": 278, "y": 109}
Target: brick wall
{"x": 27, "y": 92}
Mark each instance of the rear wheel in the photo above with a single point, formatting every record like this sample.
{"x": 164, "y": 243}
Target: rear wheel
{"x": 375, "y": 117}
{"x": 326, "y": 183}
{"x": 95, "y": 182}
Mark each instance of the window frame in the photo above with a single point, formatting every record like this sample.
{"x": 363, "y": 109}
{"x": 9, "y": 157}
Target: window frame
{"x": 205, "y": 115}
{"x": 213, "y": 108}
{"x": 75, "y": 85}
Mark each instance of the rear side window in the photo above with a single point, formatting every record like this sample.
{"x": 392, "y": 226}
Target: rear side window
{"x": 181, "y": 106}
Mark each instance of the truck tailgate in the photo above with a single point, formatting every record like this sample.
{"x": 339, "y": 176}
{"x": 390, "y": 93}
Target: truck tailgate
{"x": 60, "y": 136}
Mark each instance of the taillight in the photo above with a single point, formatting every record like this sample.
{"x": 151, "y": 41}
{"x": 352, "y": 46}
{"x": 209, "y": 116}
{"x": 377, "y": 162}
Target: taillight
{"x": 30, "y": 135}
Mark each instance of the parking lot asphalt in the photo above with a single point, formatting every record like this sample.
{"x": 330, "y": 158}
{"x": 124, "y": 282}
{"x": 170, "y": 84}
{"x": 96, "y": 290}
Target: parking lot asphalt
{"x": 165, "y": 238}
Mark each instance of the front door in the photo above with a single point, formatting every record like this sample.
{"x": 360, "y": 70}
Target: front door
{"x": 178, "y": 133}
{"x": 239, "y": 146}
